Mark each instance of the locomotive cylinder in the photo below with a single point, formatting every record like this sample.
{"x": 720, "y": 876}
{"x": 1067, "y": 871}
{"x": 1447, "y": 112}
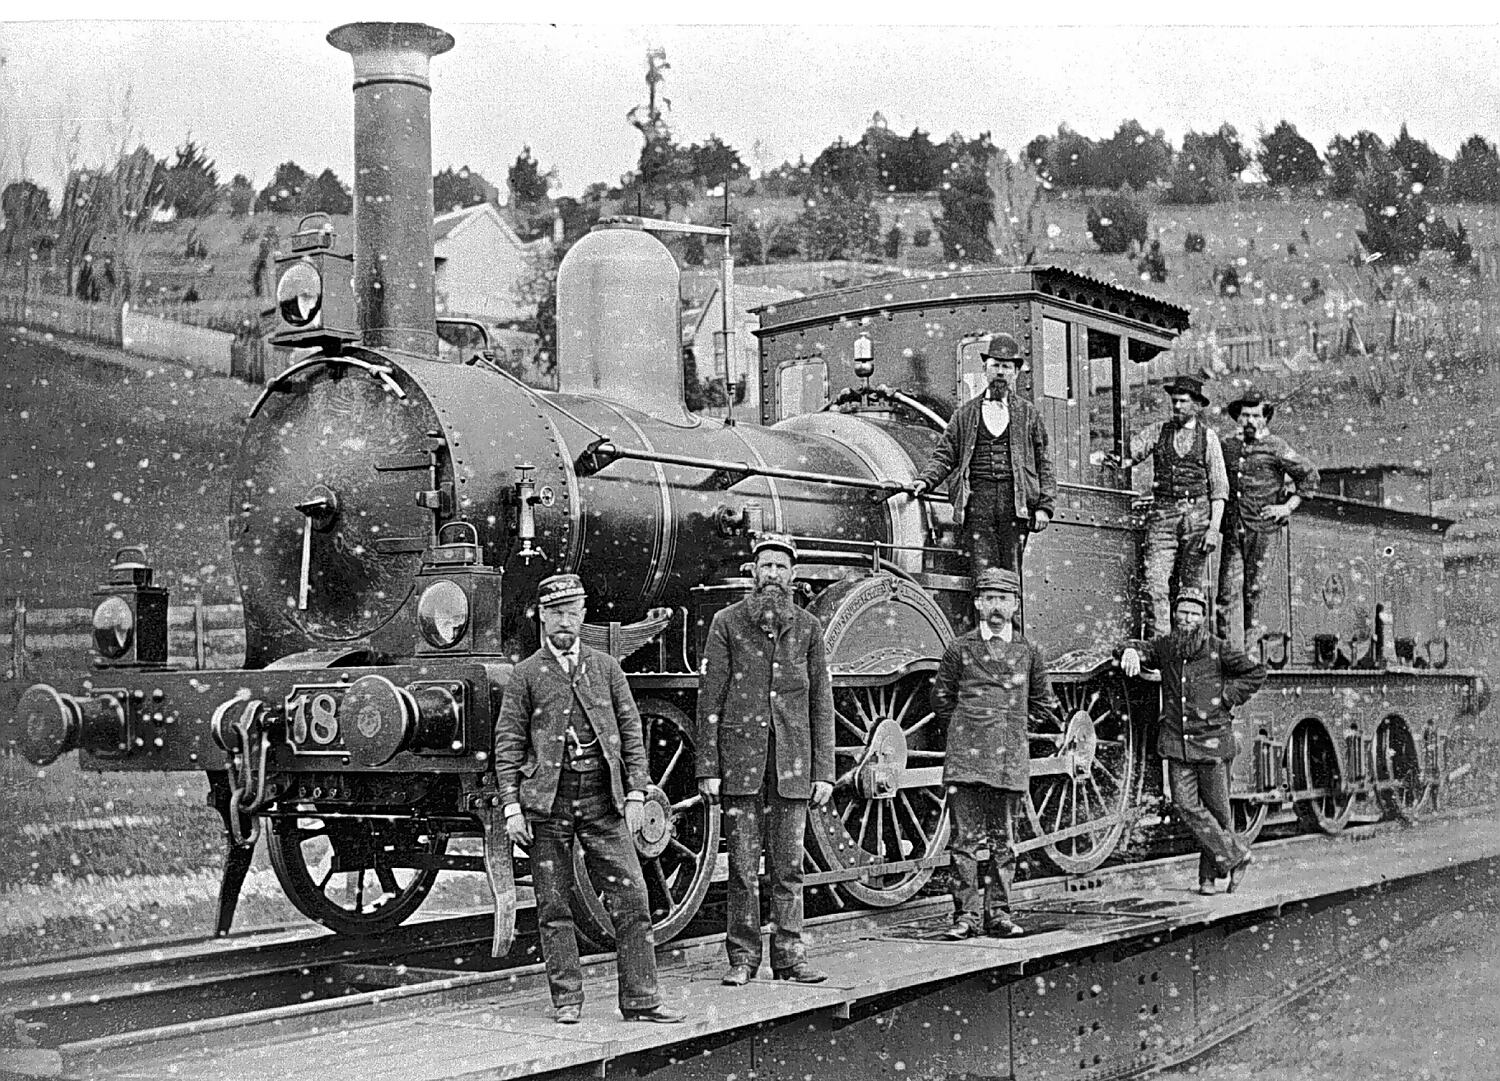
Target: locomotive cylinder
{"x": 393, "y": 181}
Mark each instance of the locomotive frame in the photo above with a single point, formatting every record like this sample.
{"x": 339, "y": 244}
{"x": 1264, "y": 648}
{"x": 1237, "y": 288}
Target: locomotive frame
{"x": 396, "y": 511}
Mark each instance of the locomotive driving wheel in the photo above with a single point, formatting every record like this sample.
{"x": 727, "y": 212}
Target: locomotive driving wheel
{"x": 357, "y": 876}
{"x": 888, "y": 801}
{"x": 1398, "y": 770}
{"x": 677, "y": 843}
{"x": 1248, "y": 818}
{"x": 1317, "y": 778}
{"x": 1083, "y": 773}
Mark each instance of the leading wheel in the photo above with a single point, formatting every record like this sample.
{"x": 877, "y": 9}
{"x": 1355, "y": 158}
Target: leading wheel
{"x": 1082, "y": 776}
{"x": 887, "y": 815}
{"x": 1248, "y": 818}
{"x": 357, "y": 876}
{"x": 677, "y": 845}
{"x": 1317, "y": 779}
{"x": 1398, "y": 770}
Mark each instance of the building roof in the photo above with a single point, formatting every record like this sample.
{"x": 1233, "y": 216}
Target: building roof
{"x": 455, "y": 221}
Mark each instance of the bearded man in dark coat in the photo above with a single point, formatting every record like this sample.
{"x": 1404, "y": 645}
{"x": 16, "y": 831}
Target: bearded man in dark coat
{"x": 988, "y": 685}
{"x": 765, "y": 723}
{"x": 1202, "y": 679}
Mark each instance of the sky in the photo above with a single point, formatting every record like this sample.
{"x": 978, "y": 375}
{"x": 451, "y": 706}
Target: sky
{"x": 254, "y": 94}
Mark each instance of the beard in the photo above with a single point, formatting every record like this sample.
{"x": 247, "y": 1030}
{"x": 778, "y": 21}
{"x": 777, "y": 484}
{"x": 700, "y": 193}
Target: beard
{"x": 995, "y": 392}
{"x": 1188, "y": 643}
{"x": 562, "y": 640}
{"x": 770, "y": 605}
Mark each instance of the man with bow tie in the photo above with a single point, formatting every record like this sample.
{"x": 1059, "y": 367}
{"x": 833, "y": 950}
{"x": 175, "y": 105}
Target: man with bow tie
{"x": 572, "y": 768}
{"x": 995, "y": 449}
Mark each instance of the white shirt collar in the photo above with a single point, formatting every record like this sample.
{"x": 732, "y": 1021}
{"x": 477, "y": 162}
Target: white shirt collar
{"x": 987, "y": 634}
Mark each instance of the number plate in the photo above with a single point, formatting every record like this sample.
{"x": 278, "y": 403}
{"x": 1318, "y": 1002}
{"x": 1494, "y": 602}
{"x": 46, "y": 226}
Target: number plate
{"x": 312, "y": 718}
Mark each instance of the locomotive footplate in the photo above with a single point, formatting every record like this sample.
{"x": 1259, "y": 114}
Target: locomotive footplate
{"x": 436, "y": 717}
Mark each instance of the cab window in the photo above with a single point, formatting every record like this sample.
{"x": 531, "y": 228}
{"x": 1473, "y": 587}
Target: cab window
{"x": 802, "y": 386}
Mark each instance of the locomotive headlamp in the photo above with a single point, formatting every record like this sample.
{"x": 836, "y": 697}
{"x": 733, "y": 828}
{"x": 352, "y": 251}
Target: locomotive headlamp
{"x": 443, "y": 614}
{"x": 315, "y": 290}
{"x": 299, "y": 294}
{"x": 864, "y": 357}
{"x": 114, "y": 627}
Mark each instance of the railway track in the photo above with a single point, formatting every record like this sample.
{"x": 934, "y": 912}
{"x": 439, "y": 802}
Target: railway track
{"x": 112, "y": 1000}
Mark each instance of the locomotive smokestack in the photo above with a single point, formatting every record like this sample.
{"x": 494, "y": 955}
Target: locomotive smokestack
{"x": 393, "y": 180}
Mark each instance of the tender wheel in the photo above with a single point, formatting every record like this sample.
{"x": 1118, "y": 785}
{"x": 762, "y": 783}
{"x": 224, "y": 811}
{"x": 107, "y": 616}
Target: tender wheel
{"x": 1248, "y": 818}
{"x": 1083, "y": 774}
{"x": 678, "y": 844}
{"x": 1398, "y": 770}
{"x": 357, "y": 876}
{"x": 1317, "y": 777}
{"x": 888, "y": 801}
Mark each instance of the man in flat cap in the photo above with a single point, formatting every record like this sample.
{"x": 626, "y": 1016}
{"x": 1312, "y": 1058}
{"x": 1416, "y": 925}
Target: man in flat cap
{"x": 1188, "y": 490}
{"x": 765, "y": 724}
{"x": 995, "y": 449}
{"x": 1261, "y": 467}
{"x": 1202, "y": 679}
{"x": 989, "y": 683}
{"x": 572, "y": 768}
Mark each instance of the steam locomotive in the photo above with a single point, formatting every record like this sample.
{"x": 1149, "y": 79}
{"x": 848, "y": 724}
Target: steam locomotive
{"x": 393, "y": 513}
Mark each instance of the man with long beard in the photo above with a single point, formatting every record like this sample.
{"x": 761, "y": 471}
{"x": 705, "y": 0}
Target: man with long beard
{"x": 989, "y": 683}
{"x": 765, "y": 723}
{"x": 1202, "y": 679}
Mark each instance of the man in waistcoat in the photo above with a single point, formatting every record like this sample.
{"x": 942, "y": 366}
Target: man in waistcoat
{"x": 1261, "y": 467}
{"x": 995, "y": 449}
{"x": 1202, "y": 679}
{"x": 765, "y": 751}
{"x": 1188, "y": 491}
{"x": 572, "y": 768}
{"x": 989, "y": 683}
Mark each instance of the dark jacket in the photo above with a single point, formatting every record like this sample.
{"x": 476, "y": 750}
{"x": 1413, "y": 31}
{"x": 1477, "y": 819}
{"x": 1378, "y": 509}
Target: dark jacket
{"x": 1031, "y": 464}
{"x": 1197, "y": 694}
{"x": 1258, "y": 473}
{"x": 753, "y": 682}
{"x": 985, "y": 703}
{"x": 531, "y": 732}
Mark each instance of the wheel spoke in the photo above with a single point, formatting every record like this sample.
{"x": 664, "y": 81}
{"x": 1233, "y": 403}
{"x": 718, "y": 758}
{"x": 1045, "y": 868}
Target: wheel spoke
{"x": 858, "y": 733}
{"x": 676, "y": 757}
{"x": 692, "y": 801}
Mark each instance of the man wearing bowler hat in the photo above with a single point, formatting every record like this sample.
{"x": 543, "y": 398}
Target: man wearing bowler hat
{"x": 1188, "y": 490}
{"x": 995, "y": 449}
{"x": 989, "y": 683}
{"x": 571, "y": 765}
{"x": 765, "y": 751}
{"x": 1261, "y": 467}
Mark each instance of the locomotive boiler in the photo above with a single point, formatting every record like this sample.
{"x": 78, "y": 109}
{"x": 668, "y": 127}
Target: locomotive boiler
{"x": 393, "y": 513}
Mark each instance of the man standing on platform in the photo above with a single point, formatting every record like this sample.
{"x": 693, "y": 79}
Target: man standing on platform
{"x": 571, "y": 765}
{"x": 1202, "y": 679}
{"x": 1260, "y": 467}
{"x": 995, "y": 449}
{"x": 765, "y": 723}
{"x": 990, "y": 681}
{"x": 1188, "y": 491}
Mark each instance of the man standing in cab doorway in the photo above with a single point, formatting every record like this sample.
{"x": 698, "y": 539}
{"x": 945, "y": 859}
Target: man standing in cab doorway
{"x": 989, "y": 683}
{"x": 1261, "y": 466}
{"x": 572, "y": 768}
{"x": 765, "y": 723}
{"x": 995, "y": 449}
{"x": 1202, "y": 679}
{"x": 1188, "y": 490}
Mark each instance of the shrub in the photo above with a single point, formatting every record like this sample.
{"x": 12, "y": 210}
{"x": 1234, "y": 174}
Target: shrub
{"x": 1154, "y": 263}
{"x": 1115, "y": 221}
{"x": 921, "y": 238}
{"x": 1194, "y": 242}
{"x": 893, "y": 242}
{"x": 1228, "y": 281}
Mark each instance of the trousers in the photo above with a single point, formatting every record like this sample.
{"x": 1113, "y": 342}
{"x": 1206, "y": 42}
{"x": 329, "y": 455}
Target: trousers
{"x": 1174, "y": 553}
{"x": 765, "y": 822}
{"x": 1200, "y": 797}
{"x": 983, "y": 818}
{"x": 584, "y": 813}
{"x": 1242, "y": 564}
{"x": 997, "y": 538}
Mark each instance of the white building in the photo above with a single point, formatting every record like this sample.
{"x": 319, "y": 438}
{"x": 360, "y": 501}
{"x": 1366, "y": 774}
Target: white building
{"x": 744, "y": 359}
{"x": 481, "y": 265}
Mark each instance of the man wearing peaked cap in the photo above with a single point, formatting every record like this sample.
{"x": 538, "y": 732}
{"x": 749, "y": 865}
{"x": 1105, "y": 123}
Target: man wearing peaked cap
{"x": 1202, "y": 679}
{"x": 1188, "y": 489}
{"x": 994, "y": 449}
{"x": 765, "y": 722}
{"x": 572, "y": 769}
{"x": 1260, "y": 465}
{"x": 989, "y": 683}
